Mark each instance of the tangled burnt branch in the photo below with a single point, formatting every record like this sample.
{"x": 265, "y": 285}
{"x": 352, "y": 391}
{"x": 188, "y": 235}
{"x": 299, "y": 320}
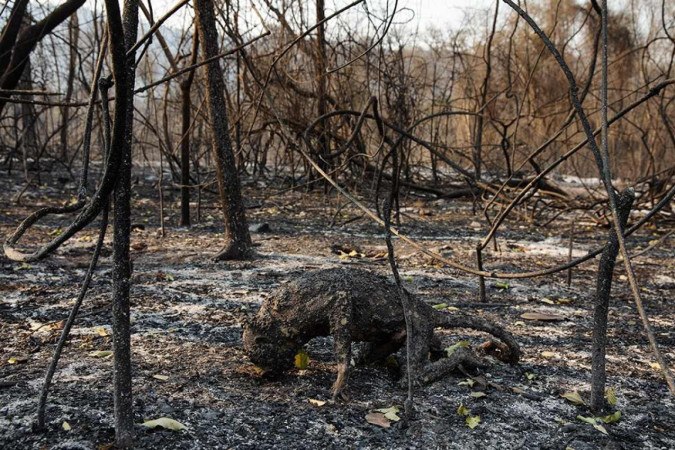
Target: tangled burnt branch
{"x": 357, "y": 306}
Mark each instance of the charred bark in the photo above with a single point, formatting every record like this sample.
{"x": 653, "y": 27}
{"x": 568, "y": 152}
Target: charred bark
{"x": 322, "y": 88}
{"x": 74, "y": 35}
{"x": 237, "y": 239}
{"x": 601, "y": 310}
{"x": 186, "y": 105}
{"x": 10, "y": 33}
{"x": 122, "y": 34}
{"x": 26, "y": 41}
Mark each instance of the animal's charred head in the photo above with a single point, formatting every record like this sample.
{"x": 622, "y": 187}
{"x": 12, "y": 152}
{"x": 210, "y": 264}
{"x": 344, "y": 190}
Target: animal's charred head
{"x": 269, "y": 347}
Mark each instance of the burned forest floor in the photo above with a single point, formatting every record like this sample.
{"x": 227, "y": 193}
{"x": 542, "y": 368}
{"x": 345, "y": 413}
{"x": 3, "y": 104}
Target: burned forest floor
{"x": 187, "y": 311}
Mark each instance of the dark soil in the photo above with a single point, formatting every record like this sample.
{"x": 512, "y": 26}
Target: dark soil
{"x": 187, "y": 311}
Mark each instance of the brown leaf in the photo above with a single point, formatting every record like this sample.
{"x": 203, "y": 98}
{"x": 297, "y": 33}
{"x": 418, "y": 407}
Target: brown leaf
{"x": 543, "y": 317}
{"x": 376, "y": 418}
{"x": 139, "y": 246}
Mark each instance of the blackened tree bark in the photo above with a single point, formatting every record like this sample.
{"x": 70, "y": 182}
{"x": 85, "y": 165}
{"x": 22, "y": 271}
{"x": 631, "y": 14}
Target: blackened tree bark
{"x": 122, "y": 37}
{"x": 25, "y": 42}
{"x": 602, "y": 294}
{"x": 484, "y": 89}
{"x": 237, "y": 239}
{"x": 29, "y": 138}
{"x": 10, "y": 33}
{"x": 322, "y": 87}
{"x": 186, "y": 105}
{"x": 74, "y": 36}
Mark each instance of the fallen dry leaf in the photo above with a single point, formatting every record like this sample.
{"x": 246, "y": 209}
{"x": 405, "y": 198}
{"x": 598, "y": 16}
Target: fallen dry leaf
{"x": 376, "y": 418}
{"x": 573, "y": 397}
{"x": 101, "y": 331}
{"x": 543, "y": 317}
{"x": 164, "y": 422}
{"x": 390, "y": 413}
{"x": 138, "y": 246}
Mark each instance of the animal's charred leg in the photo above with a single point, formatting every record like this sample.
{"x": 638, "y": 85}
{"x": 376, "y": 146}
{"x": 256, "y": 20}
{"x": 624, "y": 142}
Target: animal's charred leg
{"x": 436, "y": 350}
{"x": 378, "y": 351}
{"x": 340, "y": 325}
{"x": 438, "y": 369}
{"x": 420, "y": 350}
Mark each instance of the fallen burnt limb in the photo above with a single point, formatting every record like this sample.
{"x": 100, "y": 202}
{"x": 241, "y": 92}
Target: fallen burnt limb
{"x": 358, "y": 306}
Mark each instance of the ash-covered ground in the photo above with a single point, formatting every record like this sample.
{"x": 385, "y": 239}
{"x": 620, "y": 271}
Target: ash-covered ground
{"x": 186, "y": 323}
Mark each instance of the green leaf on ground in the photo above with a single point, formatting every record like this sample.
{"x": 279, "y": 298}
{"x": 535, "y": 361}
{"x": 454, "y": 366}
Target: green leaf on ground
{"x": 390, "y": 413}
{"x": 453, "y": 348}
{"x": 472, "y": 421}
{"x": 573, "y": 397}
{"x": 610, "y": 395}
{"x": 590, "y": 420}
{"x": 301, "y": 360}
{"x": 611, "y": 418}
{"x": 468, "y": 382}
{"x": 593, "y": 421}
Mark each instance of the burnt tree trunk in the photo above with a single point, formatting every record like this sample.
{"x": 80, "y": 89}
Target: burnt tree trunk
{"x": 237, "y": 239}
{"x": 484, "y": 89}
{"x": 10, "y": 32}
{"x": 122, "y": 37}
{"x": 29, "y": 138}
{"x": 186, "y": 105}
{"x": 602, "y": 294}
{"x": 74, "y": 35}
{"x": 25, "y": 42}
{"x": 322, "y": 88}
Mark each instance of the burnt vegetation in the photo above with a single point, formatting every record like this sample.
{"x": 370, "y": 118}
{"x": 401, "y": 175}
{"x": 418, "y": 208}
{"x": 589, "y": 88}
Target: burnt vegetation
{"x": 318, "y": 210}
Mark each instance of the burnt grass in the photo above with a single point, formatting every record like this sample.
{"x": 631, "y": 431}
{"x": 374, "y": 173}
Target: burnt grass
{"x": 186, "y": 322}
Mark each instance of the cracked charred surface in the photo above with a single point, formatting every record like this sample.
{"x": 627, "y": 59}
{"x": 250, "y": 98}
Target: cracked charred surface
{"x": 358, "y": 306}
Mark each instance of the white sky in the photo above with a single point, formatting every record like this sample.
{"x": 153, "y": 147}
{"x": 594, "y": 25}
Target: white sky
{"x": 439, "y": 13}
